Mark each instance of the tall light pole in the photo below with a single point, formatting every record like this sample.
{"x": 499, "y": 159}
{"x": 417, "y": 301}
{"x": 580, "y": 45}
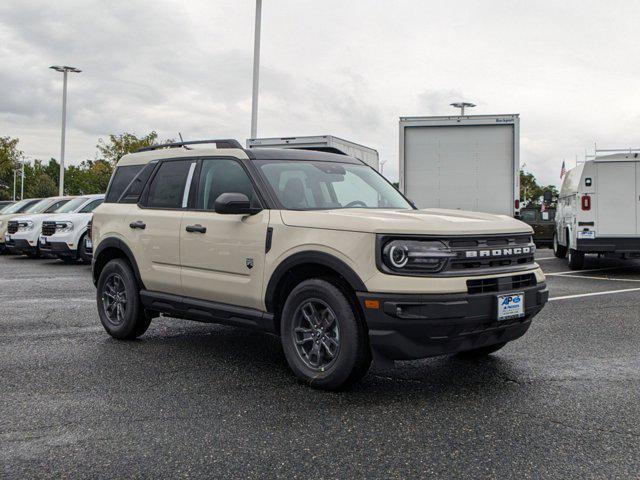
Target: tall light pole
{"x": 64, "y": 70}
{"x": 256, "y": 70}
{"x": 22, "y": 181}
{"x": 462, "y": 105}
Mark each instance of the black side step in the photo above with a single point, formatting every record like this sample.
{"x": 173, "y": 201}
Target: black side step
{"x": 207, "y": 311}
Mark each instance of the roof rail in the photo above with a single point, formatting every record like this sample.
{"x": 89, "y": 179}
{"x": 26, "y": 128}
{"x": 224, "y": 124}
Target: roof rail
{"x": 225, "y": 143}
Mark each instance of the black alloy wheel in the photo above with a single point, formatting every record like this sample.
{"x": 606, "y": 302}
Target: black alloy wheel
{"x": 114, "y": 299}
{"x": 316, "y": 330}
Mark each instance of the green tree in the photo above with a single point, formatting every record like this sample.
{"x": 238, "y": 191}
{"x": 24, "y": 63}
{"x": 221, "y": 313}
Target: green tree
{"x": 38, "y": 181}
{"x": 118, "y": 145}
{"x": 530, "y": 191}
{"x": 10, "y": 158}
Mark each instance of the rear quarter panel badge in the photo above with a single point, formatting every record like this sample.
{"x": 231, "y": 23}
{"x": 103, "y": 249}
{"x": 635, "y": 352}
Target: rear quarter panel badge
{"x": 249, "y": 262}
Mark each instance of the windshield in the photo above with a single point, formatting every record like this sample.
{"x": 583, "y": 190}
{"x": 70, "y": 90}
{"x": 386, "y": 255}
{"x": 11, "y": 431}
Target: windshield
{"x": 38, "y": 207}
{"x": 308, "y": 185}
{"x": 17, "y": 207}
{"x": 72, "y": 205}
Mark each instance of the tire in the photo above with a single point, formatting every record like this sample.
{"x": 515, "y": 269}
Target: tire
{"x": 83, "y": 256}
{"x": 576, "y": 259}
{"x": 482, "y": 351}
{"x": 559, "y": 251}
{"x": 117, "y": 285}
{"x": 335, "y": 353}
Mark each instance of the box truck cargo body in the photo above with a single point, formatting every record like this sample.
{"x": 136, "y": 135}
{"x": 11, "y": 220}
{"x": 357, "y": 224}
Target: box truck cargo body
{"x": 599, "y": 209}
{"x": 467, "y": 163}
{"x": 324, "y": 143}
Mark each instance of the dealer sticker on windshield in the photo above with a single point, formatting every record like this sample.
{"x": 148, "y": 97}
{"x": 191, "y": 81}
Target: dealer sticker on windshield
{"x": 510, "y": 306}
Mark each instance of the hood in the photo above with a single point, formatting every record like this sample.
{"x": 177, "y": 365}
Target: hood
{"x": 34, "y": 217}
{"x": 70, "y": 217}
{"x": 430, "y": 221}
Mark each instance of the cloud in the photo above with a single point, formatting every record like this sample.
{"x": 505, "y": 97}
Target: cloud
{"x": 186, "y": 66}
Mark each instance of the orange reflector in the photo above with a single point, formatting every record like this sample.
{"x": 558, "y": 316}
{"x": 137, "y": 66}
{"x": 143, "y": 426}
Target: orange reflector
{"x": 372, "y": 303}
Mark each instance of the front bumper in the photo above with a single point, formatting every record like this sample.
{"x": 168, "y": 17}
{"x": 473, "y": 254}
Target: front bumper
{"x": 19, "y": 245}
{"x": 56, "y": 248}
{"x": 415, "y": 326}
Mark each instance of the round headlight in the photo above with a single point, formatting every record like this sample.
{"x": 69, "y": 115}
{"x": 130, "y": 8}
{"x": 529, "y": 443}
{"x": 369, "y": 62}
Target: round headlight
{"x": 398, "y": 255}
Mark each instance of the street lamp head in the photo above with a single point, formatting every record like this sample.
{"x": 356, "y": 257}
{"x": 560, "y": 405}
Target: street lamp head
{"x": 462, "y": 104}
{"x": 65, "y": 68}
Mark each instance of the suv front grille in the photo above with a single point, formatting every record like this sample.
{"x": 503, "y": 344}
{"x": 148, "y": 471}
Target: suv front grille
{"x": 12, "y": 226}
{"x": 48, "y": 228}
{"x": 501, "y": 284}
{"x": 491, "y": 252}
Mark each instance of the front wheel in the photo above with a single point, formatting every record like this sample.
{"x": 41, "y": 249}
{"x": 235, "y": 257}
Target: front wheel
{"x": 119, "y": 306}
{"x": 325, "y": 342}
{"x": 83, "y": 255}
{"x": 559, "y": 251}
{"x": 576, "y": 259}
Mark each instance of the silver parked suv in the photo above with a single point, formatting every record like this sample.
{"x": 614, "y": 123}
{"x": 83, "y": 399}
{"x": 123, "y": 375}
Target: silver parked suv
{"x": 315, "y": 247}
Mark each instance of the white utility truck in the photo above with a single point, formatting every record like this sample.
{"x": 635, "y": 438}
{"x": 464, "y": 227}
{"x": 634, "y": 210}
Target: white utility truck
{"x": 599, "y": 209}
{"x": 322, "y": 143}
{"x": 469, "y": 162}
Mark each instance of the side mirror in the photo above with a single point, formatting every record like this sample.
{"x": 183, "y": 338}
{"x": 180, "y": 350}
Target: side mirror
{"x": 234, "y": 204}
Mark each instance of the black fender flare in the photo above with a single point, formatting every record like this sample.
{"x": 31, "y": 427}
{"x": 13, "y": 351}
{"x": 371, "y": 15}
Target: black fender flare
{"x": 112, "y": 242}
{"x": 316, "y": 257}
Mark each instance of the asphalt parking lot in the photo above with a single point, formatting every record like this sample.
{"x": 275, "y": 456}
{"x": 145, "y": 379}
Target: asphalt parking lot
{"x": 197, "y": 400}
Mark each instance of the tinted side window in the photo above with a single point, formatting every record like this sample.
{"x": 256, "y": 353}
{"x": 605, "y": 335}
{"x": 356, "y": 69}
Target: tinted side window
{"x": 222, "y": 176}
{"x": 120, "y": 180}
{"x": 135, "y": 187}
{"x": 90, "y": 207}
{"x": 167, "y": 187}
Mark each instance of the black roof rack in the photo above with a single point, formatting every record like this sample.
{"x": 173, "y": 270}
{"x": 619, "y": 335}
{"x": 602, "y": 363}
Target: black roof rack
{"x": 225, "y": 143}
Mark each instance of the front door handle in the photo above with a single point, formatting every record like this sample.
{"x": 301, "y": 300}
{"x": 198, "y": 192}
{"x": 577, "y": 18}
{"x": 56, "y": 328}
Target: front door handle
{"x": 138, "y": 224}
{"x": 196, "y": 228}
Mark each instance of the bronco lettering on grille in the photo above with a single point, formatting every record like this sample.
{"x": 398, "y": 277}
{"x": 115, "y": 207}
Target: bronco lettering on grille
{"x": 498, "y": 252}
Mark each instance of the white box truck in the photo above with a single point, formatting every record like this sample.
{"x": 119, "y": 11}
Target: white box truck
{"x": 323, "y": 143}
{"x": 469, "y": 162}
{"x": 599, "y": 209}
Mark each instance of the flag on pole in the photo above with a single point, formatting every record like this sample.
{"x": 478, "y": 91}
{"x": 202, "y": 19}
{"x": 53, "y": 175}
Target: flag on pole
{"x": 563, "y": 170}
{"x": 542, "y": 207}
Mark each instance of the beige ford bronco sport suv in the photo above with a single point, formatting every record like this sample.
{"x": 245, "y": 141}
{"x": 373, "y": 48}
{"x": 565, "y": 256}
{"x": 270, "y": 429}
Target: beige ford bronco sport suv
{"x": 315, "y": 247}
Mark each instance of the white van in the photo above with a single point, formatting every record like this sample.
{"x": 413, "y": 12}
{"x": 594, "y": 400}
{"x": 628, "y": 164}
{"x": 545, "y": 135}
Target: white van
{"x": 599, "y": 209}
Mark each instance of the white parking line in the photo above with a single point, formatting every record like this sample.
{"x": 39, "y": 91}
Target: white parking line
{"x": 590, "y": 270}
{"x": 608, "y": 279}
{"x": 580, "y": 295}
{"x": 544, "y": 258}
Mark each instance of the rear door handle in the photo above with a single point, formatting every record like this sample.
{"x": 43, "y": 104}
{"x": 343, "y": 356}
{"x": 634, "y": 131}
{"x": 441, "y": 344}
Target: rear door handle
{"x": 138, "y": 224}
{"x": 196, "y": 228}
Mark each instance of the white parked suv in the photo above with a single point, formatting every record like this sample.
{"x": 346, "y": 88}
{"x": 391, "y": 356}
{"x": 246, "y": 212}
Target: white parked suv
{"x": 63, "y": 234}
{"x": 23, "y": 231}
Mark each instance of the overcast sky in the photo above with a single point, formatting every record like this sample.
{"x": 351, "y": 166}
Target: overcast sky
{"x": 347, "y": 68}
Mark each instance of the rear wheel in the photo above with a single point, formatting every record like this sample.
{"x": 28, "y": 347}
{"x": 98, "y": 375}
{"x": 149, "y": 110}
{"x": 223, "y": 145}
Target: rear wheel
{"x": 119, "y": 306}
{"x": 559, "y": 251}
{"x": 576, "y": 259}
{"x": 323, "y": 339}
{"x": 482, "y": 351}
